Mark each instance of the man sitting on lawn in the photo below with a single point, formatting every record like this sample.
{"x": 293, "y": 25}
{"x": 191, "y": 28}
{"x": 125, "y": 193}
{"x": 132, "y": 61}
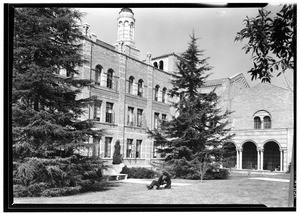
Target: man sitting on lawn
{"x": 164, "y": 179}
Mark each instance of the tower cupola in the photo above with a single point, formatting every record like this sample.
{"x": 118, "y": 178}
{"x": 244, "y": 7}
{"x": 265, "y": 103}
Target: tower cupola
{"x": 126, "y": 25}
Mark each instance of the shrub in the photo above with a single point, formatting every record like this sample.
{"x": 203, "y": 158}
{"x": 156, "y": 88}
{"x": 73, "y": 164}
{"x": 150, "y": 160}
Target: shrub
{"x": 20, "y": 191}
{"x": 58, "y": 176}
{"x": 117, "y": 157}
{"x": 216, "y": 174}
{"x": 138, "y": 172}
{"x": 181, "y": 168}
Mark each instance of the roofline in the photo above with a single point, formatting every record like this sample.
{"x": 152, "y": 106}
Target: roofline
{"x": 127, "y": 56}
{"x": 165, "y": 55}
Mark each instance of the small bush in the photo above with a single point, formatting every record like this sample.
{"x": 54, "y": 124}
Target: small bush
{"x": 20, "y": 191}
{"x": 36, "y": 177}
{"x": 138, "y": 172}
{"x": 216, "y": 174}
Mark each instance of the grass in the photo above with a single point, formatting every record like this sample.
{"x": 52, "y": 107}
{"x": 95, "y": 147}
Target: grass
{"x": 237, "y": 189}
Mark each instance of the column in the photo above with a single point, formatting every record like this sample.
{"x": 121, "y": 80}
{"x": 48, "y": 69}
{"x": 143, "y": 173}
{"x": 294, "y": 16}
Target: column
{"x": 237, "y": 159}
{"x": 241, "y": 157}
{"x": 262, "y": 159}
{"x": 281, "y": 160}
{"x": 258, "y": 159}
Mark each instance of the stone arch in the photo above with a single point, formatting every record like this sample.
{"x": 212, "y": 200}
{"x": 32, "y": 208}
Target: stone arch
{"x": 155, "y": 64}
{"x": 249, "y": 159}
{"x": 271, "y": 160}
{"x": 271, "y": 140}
{"x": 249, "y": 140}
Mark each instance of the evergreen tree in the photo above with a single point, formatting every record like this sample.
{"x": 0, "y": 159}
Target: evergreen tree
{"x": 198, "y": 130}
{"x": 45, "y": 109}
{"x": 45, "y": 106}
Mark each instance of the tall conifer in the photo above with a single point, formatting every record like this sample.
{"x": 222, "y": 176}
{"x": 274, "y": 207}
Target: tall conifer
{"x": 45, "y": 109}
{"x": 198, "y": 129}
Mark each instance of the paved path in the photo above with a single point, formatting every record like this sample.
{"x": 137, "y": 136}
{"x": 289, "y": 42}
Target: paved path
{"x": 271, "y": 179}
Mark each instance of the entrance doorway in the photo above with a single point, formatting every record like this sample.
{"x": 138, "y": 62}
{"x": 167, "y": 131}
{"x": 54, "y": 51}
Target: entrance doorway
{"x": 249, "y": 160}
{"x": 271, "y": 156}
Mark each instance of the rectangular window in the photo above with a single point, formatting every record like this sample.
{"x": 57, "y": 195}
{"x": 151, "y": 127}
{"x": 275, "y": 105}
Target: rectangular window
{"x": 138, "y": 148}
{"x": 107, "y": 147}
{"x": 97, "y": 112}
{"x": 130, "y": 116}
{"x": 139, "y": 117}
{"x": 154, "y": 149}
{"x": 129, "y": 148}
{"x": 109, "y": 113}
{"x": 164, "y": 117}
{"x": 156, "y": 119}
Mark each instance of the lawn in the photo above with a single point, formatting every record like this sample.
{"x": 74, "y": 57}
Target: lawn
{"x": 237, "y": 189}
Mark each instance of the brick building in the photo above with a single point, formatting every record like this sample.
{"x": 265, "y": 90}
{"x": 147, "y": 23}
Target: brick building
{"x": 133, "y": 95}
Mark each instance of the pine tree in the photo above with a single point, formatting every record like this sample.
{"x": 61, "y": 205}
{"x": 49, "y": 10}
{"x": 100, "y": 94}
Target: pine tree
{"x": 45, "y": 109}
{"x": 45, "y": 106}
{"x": 198, "y": 130}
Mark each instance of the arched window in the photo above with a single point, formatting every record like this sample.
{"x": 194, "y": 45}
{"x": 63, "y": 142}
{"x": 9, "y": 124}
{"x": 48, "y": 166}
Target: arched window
{"x": 130, "y": 84}
{"x": 140, "y": 88}
{"x": 257, "y": 123}
{"x": 109, "y": 83}
{"x": 156, "y": 90}
{"x": 161, "y": 65}
{"x": 164, "y": 91}
{"x": 267, "y": 122}
{"x": 262, "y": 119}
{"x": 98, "y": 71}
{"x": 155, "y": 64}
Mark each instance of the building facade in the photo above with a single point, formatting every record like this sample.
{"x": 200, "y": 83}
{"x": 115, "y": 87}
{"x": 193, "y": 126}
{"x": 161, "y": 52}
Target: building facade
{"x": 134, "y": 97}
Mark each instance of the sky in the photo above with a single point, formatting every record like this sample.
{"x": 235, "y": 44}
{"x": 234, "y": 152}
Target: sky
{"x": 166, "y": 30}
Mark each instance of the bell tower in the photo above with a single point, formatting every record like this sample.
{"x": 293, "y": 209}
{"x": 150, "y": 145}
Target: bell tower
{"x": 125, "y": 40}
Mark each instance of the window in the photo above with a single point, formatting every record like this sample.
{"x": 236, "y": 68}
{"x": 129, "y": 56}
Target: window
{"x": 129, "y": 148}
{"x": 130, "y": 116}
{"x": 140, "y": 88}
{"x": 109, "y": 83}
{"x": 161, "y": 65}
{"x": 96, "y": 151}
{"x": 107, "y": 147}
{"x": 257, "y": 123}
{"x": 156, "y": 90}
{"x": 267, "y": 122}
{"x": 138, "y": 148}
{"x": 163, "y": 118}
{"x": 155, "y": 64}
{"x": 97, "y": 112}
{"x": 139, "y": 118}
{"x": 164, "y": 95}
{"x": 98, "y": 75}
{"x": 154, "y": 149}
{"x": 130, "y": 85}
{"x": 109, "y": 113}
{"x": 156, "y": 119}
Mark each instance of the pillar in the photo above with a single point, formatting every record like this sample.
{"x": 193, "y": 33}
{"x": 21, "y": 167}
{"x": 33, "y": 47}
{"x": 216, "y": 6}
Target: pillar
{"x": 237, "y": 159}
{"x": 262, "y": 159}
{"x": 258, "y": 159}
{"x": 241, "y": 158}
{"x": 281, "y": 160}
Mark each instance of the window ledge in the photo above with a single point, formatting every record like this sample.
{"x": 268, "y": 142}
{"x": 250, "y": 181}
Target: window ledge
{"x": 106, "y": 123}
